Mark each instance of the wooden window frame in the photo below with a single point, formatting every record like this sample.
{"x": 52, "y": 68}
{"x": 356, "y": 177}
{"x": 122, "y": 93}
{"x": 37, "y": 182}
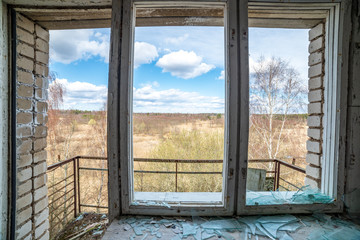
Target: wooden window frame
{"x": 237, "y": 71}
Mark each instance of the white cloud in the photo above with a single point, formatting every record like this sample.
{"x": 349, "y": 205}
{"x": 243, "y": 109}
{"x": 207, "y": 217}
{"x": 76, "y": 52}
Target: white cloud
{"x": 144, "y": 53}
{"x": 83, "y": 95}
{"x": 183, "y": 64}
{"x": 67, "y": 46}
{"x": 222, "y": 75}
{"x": 149, "y": 99}
{"x": 176, "y": 40}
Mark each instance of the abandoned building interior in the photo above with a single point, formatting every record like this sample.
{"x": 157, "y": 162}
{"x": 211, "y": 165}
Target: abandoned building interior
{"x": 326, "y": 203}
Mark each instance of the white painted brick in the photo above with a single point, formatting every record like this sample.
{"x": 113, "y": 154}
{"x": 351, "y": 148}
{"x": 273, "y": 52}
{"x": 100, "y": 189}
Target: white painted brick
{"x": 41, "y": 229}
{"x": 313, "y": 146}
{"x": 23, "y": 215}
{"x": 313, "y": 159}
{"x": 24, "y": 160}
{"x": 39, "y": 181}
{"x": 25, "y": 23}
{"x": 315, "y": 58}
{"x": 40, "y": 205}
{"x": 39, "y": 169}
{"x": 312, "y": 183}
{"x": 315, "y": 95}
{"x": 40, "y": 193}
{"x": 313, "y": 171}
{"x": 41, "y": 217}
{"x": 315, "y": 70}
{"x": 24, "y": 187}
{"x": 316, "y": 45}
{"x": 24, "y": 201}
{"x": 46, "y": 236}
{"x": 23, "y": 230}
{"x": 314, "y": 108}
{"x": 316, "y": 31}
{"x": 28, "y": 237}
{"x": 24, "y": 146}
{"x": 314, "y": 121}
{"x": 314, "y": 133}
{"x": 24, "y": 174}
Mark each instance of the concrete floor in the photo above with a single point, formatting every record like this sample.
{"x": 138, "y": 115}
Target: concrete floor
{"x": 313, "y": 227}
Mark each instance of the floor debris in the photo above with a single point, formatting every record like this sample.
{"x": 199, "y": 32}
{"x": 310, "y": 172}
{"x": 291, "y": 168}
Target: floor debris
{"x": 282, "y": 227}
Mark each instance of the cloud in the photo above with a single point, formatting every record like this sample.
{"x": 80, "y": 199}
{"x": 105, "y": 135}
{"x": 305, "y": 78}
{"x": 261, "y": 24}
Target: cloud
{"x": 144, "y": 53}
{"x": 149, "y": 99}
{"x": 176, "y": 40}
{"x": 183, "y": 64}
{"x": 222, "y": 75}
{"x": 83, "y": 95}
{"x": 67, "y": 46}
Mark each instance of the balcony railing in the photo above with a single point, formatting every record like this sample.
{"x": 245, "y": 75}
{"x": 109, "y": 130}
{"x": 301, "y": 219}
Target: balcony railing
{"x": 65, "y": 190}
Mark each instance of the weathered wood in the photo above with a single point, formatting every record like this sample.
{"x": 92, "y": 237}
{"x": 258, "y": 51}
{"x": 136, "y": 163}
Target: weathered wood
{"x": 113, "y": 151}
{"x": 75, "y": 24}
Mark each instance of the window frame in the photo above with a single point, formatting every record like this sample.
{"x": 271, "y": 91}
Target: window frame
{"x": 237, "y": 107}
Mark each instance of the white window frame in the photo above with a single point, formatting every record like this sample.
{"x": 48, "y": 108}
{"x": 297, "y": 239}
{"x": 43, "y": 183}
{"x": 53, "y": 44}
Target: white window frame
{"x": 237, "y": 107}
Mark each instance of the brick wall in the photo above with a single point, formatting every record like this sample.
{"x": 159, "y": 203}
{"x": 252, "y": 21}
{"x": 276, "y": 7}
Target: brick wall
{"x": 315, "y": 107}
{"x": 31, "y": 116}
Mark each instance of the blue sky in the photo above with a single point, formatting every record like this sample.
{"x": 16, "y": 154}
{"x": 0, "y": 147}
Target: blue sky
{"x": 177, "y": 69}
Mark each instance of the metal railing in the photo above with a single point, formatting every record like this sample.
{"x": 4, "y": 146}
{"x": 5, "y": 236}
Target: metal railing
{"x": 65, "y": 191}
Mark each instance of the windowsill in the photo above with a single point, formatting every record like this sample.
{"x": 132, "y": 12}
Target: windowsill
{"x": 176, "y": 198}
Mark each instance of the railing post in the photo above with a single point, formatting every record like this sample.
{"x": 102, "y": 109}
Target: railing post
{"x": 78, "y": 182}
{"x": 275, "y": 175}
{"x": 278, "y": 177}
{"x": 75, "y": 189}
{"x": 176, "y": 171}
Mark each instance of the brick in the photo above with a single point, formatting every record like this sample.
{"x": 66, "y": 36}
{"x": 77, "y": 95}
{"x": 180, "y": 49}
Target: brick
{"x": 315, "y": 83}
{"x": 24, "y": 174}
{"x": 315, "y": 96}
{"x": 40, "y": 193}
{"x": 39, "y": 82}
{"x": 315, "y": 108}
{"x": 25, "y": 36}
{"x": 25, "y": 91}
{"x": 312, "y": 183}
{"x": 41, "y": 229}
{"x": 24, "y": 160}
{"x": 25, "y": 77}
{"x": 24, "y": 104}
{"x": 40, "y": 181}
{"x": 315, "y": 70}
{"x": 25, "y": 63}
{"x": 23, "y": 131}
{"x": 40, "y": 131}
{"x": 24, "y": 187}
{"x": 314, "y": 133}
{"x": 24, "y": 201}
{"x": 39, "y": 169}
{"x": 24, "y": 146}
{"x": 40, "y": 205}
{"x": 40, "y": 118}
{"x": 24, "y": 118}
{"x": 42, "y": 32}
{"x": 313, "y": 159}
{"x": 23, "y": 230}
{"x": 314, "y": 121}
{"x": 40, "y": 94}
{"x": 41, "y": 107}
{"x": 313, "y": 146}
{"x": 25, "y": 50}
{"x": 45, "y": 236}
{"x": 42, "y": 45}
{"x": 41, "y": 217}
{"x": 41, "y": 70}
{"x": 315, "y": 58}
{"x": 40, "y": 156}
{"x": 25, "y": 23}
{"x": 23, "y": 215}
{"x": 39, "y": 144}
{"x": 42, "y": 57}
{"x": 313, "y": 171}
{"x": 316, "y": 31}
{"x": 316, "y": 45}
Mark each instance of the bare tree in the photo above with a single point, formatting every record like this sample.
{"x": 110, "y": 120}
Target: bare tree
{"x": 276, "y": 91}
